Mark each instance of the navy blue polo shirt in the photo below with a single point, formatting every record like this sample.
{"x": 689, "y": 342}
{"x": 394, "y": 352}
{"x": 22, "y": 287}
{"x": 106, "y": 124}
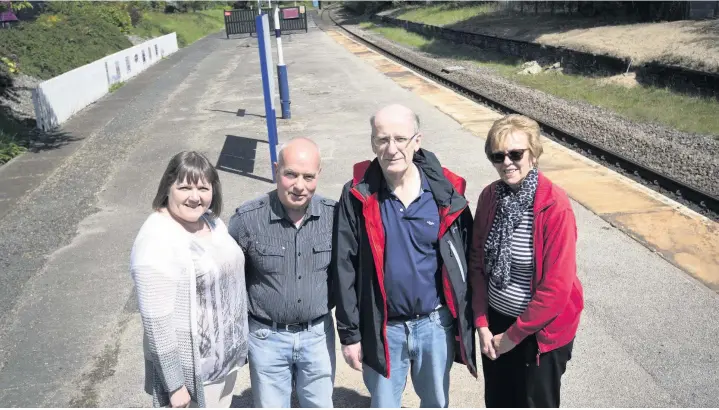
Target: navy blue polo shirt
{"x": 412, "y": 258}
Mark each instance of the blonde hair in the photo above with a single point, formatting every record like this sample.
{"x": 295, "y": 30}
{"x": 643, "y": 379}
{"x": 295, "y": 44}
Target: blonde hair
{"x": 505, "y": 126}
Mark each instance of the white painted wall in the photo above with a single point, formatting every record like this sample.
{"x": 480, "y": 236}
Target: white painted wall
{"x": 61, "y": 97}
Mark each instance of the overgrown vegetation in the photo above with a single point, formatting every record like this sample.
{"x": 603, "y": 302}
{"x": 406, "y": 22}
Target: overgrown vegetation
{"x": 57, "y": 43}
{"x": 13, "y": 138}
{"x": 9, "y": 148}
{"x": 446, "y": 14}
{"x": 116, "y": 86}
{"x": 11, "y": 145}
{"x": 64, "y": 35}
{"x": 55, "y": 37}
{"x": 189, "y": 27}
{"x": 643, "y": 11}
{"x": 116, "y": 14}
{"x": 640, "y": 103}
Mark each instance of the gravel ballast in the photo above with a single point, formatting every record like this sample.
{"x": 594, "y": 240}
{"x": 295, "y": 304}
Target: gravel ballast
{"x": 686, "y": 157}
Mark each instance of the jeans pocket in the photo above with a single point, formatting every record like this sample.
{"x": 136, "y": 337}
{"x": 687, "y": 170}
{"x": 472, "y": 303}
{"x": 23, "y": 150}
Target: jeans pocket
{"x": 321, "y": 329}
{"x": 261, "y": 333}
{"x": 258, "y": 330}
{"x": 442, "y": 318}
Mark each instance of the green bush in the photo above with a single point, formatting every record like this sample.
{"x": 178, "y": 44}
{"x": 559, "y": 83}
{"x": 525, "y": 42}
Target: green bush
{"x": 116, "y": 14}
{"x": 9, "y": 147}
{"x": 52, "y": 46}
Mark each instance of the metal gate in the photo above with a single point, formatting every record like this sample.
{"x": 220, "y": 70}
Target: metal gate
{"x": 243, "y": 21}
{"x": 239, "y": 22}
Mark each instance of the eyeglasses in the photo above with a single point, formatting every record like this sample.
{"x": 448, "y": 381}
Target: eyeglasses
{"x": 381, "y": 143}
{"x": 514, "y": 155}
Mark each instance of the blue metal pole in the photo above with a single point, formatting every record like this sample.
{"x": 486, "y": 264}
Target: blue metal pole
{"x": 284, "y": 91}
{"x": 263, "y": 41}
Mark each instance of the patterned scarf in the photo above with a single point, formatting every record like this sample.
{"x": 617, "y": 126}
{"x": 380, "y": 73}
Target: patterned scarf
{"x": 511, "y": 205}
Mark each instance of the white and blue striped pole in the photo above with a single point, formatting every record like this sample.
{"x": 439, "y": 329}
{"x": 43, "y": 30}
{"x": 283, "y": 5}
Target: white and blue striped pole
{"x": 282, "y": 70}
{"x": 263, "y": 41}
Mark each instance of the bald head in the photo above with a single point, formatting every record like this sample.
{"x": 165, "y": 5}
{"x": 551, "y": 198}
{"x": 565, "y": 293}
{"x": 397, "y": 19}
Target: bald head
{"x": 395, "y": 116}
{"x": 297, "y": 148}
{"x": 297, "y": 170}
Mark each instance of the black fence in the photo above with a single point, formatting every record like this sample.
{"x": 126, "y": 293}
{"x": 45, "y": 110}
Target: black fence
{"x": 239, "y": 22}
{"x": 243, "y": 21}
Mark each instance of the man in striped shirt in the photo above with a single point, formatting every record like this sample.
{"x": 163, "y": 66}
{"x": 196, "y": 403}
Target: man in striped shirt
{"x": 286, "y": 235}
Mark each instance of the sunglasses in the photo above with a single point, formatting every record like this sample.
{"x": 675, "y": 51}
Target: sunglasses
{"x": 514, "y": 155}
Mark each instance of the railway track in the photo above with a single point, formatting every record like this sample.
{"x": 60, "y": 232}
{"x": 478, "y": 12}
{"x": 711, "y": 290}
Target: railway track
{"x": 694, "y": 198}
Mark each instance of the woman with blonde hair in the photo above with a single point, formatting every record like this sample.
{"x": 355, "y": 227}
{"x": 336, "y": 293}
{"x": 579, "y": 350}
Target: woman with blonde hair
{"x": 526, "y": 296}
{"x": 190, "y": 281}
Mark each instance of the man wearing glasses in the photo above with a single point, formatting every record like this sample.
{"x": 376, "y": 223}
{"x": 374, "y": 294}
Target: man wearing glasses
{"x": 399, "y": 258}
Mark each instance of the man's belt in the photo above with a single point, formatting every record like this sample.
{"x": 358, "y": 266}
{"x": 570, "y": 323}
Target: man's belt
{"x": 290, "y": 327}
{"x": 407, "y": 318}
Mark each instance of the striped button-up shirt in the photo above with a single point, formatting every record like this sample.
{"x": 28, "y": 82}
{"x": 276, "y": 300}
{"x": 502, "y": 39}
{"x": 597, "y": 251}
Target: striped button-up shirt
{"x": 286, "y": 266}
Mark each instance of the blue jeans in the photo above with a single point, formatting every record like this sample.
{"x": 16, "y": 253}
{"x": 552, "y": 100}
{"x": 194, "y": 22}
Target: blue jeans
{"x": 426, "y": 346}
{"x": 276, "y": 356}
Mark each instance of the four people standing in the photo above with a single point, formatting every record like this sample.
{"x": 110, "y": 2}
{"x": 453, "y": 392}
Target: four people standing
{"x": 412, "y": 273}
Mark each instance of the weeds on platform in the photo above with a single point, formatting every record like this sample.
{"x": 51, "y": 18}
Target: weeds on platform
{"x": 639, "y": 103}
{"x": 14, "y": 135}
{"x": 116, "y": 86}
{"x": 10, "y": 146}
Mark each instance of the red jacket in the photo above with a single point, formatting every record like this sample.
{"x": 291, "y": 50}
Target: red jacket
{"x": 557, "y": 295}
{"x": 358, "y": 261}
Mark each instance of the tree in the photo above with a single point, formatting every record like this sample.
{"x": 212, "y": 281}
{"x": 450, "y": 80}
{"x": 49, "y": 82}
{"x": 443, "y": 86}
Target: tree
{"x": 186, "y": 6}
{"x": 15, "y": 5}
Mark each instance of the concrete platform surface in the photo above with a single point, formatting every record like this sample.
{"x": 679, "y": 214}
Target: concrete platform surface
{"x": 72, "y": 334}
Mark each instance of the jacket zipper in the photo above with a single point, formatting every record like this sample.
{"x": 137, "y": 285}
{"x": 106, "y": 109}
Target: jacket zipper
{"x": 453, "y": 252}
{"x": 538, "y": 352}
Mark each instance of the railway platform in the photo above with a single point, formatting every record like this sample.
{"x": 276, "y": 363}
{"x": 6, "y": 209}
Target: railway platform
{"x": 648, "y": 336}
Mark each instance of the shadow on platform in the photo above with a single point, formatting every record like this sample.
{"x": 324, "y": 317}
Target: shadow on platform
{"x": 342, "y": 397}
{"x": 238, "y": 157}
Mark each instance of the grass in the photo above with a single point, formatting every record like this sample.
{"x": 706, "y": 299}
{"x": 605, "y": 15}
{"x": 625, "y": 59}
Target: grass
{"x": 10, "y": 146}
{"x": 444, "y": 14}
{"x": 641, "y": 103}
{"x": 14, "y": 135}
{"x": 398, "y": 35}
{"x": 116, "y": 86}
{"x": 51, "y": 46}
{"x": 189, "y": 27}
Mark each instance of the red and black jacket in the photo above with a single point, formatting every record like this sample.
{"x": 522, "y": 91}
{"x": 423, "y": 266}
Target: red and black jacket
{"x": 358, "y": 261}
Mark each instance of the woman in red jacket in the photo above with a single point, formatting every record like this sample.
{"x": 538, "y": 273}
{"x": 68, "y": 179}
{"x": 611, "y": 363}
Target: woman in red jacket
{"x": 527, "y": 298}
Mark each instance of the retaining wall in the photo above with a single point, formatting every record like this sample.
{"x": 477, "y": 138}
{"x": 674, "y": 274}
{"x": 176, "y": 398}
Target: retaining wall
{"x": 61, "y": 97}
{"x": 677, "y": 78}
